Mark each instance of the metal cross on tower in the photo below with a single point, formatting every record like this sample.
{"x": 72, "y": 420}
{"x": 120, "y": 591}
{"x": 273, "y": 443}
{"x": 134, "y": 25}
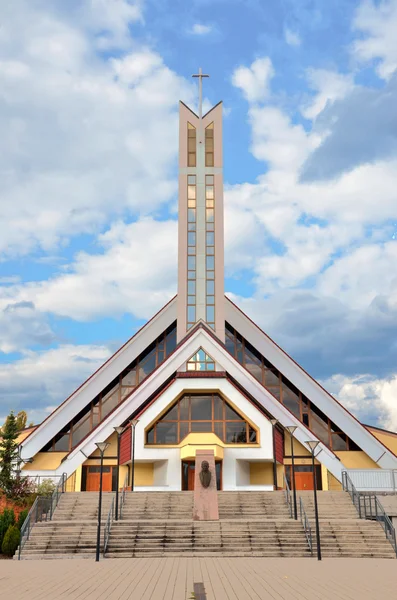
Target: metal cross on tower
{"x": 200, "y": 76}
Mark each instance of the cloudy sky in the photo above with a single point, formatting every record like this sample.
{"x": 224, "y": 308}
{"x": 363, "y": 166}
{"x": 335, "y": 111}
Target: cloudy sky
{"x": 89, "y": 94}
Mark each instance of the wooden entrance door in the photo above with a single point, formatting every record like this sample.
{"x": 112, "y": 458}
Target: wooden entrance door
{"x": 190, "y": 476}
{"x": 93, "y": 476}
{"x": 304, "y": 481}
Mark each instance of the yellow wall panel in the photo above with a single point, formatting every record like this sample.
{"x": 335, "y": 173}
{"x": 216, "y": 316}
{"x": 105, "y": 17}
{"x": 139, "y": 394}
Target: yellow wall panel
{"x": 356, "y": 460}
{"x": 261, "y": 473}
{"x": 299, "y": 450}
{"x": 388, "y": 439}
{"x": 45, "y": 461}
{"x": 144, "y": 474}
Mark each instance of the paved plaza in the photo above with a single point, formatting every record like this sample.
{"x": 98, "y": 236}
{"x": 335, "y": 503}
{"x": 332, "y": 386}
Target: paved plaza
{"x": 199, "y": 579}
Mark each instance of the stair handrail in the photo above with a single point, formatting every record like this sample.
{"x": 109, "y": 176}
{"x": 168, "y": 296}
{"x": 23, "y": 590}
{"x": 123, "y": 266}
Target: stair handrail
{"x": 122, "y": 495}
{"x": 59, "y": 490}
{"x": 39, "y": 512}
{"x": 287, "y": 494}
{"x": 348, "y": 486}
{"x": 372, "y": 509}
{"x": 108, "y": 526}
{"x": 306, "y": 525}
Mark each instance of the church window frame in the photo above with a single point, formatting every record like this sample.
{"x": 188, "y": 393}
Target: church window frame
{"x": 232, "y": 429}
{"x": 286, "y": 393}
{"x": 191, "y": 250}
{"x": 210, "y": 249}
{"x": 191, "y": 145}
{"x": 97, "y": 410}
{"x": 200, "y": 361}
{"x": 209, "y": 145}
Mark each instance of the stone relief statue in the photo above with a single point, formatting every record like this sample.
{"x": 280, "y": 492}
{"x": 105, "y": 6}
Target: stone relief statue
{"x": 205, "y": 474}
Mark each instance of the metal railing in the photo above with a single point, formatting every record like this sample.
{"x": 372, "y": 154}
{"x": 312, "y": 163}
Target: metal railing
{"x": 287, "y": 494}
{"x": 122, "y": 496}
{"x": 374, "y": 480}
{"x": 42, "y": 510}
{"x": 108, "y": 526}
{"x": 59, "y": 490}
{"x": 39, "y": 512}
{"x": 349, "y": 487}
{"x": 306, "y": 525}
{"x": 369, "y": 507}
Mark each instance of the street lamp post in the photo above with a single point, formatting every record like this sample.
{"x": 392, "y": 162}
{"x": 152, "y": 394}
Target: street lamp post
{"x": 313, "y": 445}
{"x": 291, "y": 429}
{"x": 274, "y": 423}
{"x": 133, "y": 423}
{"x": 119, "y": 431}
{"x": 101, "y": 447}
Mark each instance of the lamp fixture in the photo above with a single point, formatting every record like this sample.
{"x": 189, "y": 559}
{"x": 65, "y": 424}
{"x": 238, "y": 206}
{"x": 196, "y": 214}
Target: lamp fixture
{"x": 291, "y": 429}
{"x": 102, "y": 446}
{"x": 312, "y": 444}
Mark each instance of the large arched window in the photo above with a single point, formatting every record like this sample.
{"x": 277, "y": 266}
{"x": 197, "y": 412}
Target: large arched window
{"x": 201, "y": 413}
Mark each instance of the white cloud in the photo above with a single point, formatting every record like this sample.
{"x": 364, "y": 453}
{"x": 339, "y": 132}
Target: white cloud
{"x": 371, "y": 400}
{"x": 21, "y": 325}
{"x": 350, "y": 279}
{"x": 135, "y": 273}
{"x": 82, "y": 137}
{"x": 254, "y": 80}
{"x": 201, "y": 29}
{"x": 41, "y": 380}
{"x": 330, "y": 86}
{"x": 292, "y": 38}
{"x": 377, "y": 22}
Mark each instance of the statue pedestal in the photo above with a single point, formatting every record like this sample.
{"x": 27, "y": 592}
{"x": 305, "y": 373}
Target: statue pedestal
{"x": 205, "y": 499}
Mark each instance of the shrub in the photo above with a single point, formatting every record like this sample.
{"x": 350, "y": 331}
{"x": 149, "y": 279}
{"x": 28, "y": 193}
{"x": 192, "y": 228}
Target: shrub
{"x": 6, "y": 520}
{"x": 21, "y": 489}
{"x": 22, "y": 516}
{"x": 46, "y": 488}
{"x": 10, "y": 541}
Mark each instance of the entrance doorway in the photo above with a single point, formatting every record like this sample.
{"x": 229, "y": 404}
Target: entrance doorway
{"x": 189, "y": 472}
{"x": 91, "y": 475}
{"x": 303, "y": 477}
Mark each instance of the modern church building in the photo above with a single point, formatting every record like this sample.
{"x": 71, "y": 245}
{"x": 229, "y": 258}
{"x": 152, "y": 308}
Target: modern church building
{"x": 202, "y": 375}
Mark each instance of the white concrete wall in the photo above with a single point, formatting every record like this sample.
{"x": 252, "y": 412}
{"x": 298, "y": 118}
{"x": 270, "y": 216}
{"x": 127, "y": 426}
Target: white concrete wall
{"x": 167, "y": 461}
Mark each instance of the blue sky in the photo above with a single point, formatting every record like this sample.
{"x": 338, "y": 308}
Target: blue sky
{"x": 89, "y": 94}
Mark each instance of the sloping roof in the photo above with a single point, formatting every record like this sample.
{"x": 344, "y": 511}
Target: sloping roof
{"x": 262, "y": 342}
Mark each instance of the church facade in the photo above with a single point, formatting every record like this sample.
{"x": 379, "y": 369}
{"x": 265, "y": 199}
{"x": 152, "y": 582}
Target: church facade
{"x": 201, "y": 375}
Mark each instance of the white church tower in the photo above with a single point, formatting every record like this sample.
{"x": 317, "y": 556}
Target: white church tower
{"x": 200, "y": 247}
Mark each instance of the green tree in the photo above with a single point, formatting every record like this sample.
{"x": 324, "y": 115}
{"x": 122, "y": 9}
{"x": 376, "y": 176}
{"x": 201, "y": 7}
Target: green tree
{"x": 6, "y": 519}
{"x": 10, "y": 541}
{"x": 22, "y": 418}
{"x": 8, "y": 453}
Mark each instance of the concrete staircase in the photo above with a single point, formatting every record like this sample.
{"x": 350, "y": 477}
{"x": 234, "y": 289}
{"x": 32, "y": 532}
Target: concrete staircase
{"x": 255, "y": 506}
{"x": 342, "y": 533}
{"x": 158, "y": 505}
{"x": 251, "y": 524}
{"x": 73, "y": 530}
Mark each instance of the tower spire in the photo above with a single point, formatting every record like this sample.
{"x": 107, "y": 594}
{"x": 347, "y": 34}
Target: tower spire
{"x": 200, "y": 218}
{"x": 200, "y": 76}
